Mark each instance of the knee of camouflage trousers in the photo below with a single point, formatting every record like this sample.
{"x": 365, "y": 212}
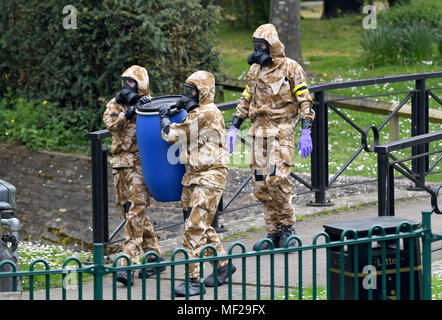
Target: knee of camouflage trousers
{"x": 202, "y": 203}
{"x": 280, "y": 188}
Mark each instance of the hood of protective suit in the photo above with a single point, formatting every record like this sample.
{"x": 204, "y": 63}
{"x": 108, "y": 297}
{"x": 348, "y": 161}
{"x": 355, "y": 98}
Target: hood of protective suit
{"x": 205, "y": 82}
{"x": 268, "y": 32}
{"x": 140, "y": 75}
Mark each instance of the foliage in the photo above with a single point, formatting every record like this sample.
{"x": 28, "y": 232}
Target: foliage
{"x": 42, "y": 125}
{"x": 407, "y": 33}
{"x": 395, "y": 44}
{"x": 80, "y": 68}
{"x": 246, "y": 13}
{"x": 55, "y": 256}
{"x": 427, "y": 12}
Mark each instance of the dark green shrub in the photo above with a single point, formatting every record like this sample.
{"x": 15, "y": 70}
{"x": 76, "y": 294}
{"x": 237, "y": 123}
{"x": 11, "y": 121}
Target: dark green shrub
{"x": 80, "y": 68}
{"x": 405, "y": 34}
{"x": 439, "y": 43}
{"x": 246, "y": 13}
{"x": 42, "y": 125}
{"x": 428, "y": 12}
{"x": 398, "y": 45}
{"x": 417, "y": 41}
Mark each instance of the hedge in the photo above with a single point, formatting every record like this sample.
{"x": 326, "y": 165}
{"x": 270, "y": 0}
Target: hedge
{"x": 81, "y": 68}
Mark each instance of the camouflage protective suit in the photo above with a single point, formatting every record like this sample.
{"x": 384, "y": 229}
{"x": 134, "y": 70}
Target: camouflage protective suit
{"x": 132, "y": 196}
{"x": 272, "y": 99}
{"x": 205, "y": 157}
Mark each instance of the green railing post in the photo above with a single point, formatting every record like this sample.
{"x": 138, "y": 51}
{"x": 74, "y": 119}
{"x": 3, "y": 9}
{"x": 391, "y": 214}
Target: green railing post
{"x": 98, "y": 271}
{"x": 426, "y": 254}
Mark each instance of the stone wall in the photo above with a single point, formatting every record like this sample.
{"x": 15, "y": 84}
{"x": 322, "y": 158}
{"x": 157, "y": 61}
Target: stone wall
{"x": 54, "y": 198}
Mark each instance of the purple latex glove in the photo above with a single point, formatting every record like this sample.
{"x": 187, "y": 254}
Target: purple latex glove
{"x": 231, "y": 138}
{"x": 305, "y": 143}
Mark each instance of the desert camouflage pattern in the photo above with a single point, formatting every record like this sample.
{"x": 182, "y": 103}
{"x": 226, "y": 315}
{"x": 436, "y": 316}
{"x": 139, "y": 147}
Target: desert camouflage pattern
{"x": 274, "y": 95}
{"x": 272, "y": 99}
{"x": 128, "y": 179}
{"x": 140, "y": 236}
{"x": 202, "y": 135}
{"x": 124, "y": 140}
{"x": 198, "y": 232}
{"x": 205, "y": 156}
{"x": 141, "y": 76}
{"x": 271, "y": 165}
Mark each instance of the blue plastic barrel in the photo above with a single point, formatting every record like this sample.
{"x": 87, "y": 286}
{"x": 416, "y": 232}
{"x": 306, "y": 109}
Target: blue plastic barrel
{"x": 160, "y": 164}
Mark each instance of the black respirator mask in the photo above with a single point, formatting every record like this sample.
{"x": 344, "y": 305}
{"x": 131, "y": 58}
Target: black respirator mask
{"x": 129, "y": 95}
{"x": 260, "y": 55}
{"x": 190, "y": 100}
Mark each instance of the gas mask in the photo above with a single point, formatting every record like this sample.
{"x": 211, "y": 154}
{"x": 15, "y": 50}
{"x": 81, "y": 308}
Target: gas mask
{"x": 129, "y": 94}
{"x": 261, "y": 53}
{"x": 190, "y": 100}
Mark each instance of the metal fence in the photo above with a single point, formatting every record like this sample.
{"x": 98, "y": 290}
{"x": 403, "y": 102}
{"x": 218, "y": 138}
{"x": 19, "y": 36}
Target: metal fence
{"x": 319, "y": 181}
{"x": 337, "y": 251}
{"x": 388, "y": 163}
{"x": 401, "y": 270}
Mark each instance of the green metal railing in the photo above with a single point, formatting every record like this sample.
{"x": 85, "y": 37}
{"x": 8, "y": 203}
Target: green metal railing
{"x": 334, "y": 250}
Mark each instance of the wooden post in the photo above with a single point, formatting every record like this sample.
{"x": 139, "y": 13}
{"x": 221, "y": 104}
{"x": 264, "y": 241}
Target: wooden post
{"x": 394, "y": 129}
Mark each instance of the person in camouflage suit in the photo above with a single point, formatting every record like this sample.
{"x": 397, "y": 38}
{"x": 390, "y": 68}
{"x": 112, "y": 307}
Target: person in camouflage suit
{"x": 205, "y": 156}
{"x": 276, "y": 92}
{"x": 132, "y": 196}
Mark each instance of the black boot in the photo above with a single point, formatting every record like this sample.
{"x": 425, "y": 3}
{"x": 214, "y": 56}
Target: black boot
{"x": 194, "y": 288}
{"x": 122, "y": 276}
{"x": 223, "y": 273}
{"x": 149, "y": 272}
{"x": 286, "y": 232}
{"x": 265, "y": 246}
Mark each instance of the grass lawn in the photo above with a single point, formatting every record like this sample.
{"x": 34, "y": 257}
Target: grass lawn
{"x": 332, "y": 53}
{"x": 54, "y": 256}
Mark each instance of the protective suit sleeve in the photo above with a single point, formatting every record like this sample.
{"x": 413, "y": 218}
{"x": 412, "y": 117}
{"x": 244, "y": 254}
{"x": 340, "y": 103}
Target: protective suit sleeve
{"x": 113, "y": 116}
{"x": 242, "y": 109}
{"x": 179, "y": 132}
{"x": 301, "y": 93}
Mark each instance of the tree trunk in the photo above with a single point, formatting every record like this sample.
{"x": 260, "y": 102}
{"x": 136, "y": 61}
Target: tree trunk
{"x": 286, "y": 17}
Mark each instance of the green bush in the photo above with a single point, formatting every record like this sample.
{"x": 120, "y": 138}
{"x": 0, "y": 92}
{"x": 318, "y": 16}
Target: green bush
{"x": 398, "y": 45}
{"x": 80, "y": 68}
{"x": 42, "y": 125}
{"x": 406, "y": 33}
{"x": 428, "y": 12}
{"x": 247, "y": 14}
{"x": 417, "y": 41}
{"x": 439, "y": 43}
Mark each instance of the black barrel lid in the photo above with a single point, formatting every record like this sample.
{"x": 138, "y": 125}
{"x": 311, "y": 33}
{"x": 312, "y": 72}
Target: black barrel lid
{"x": 152, "y": 106}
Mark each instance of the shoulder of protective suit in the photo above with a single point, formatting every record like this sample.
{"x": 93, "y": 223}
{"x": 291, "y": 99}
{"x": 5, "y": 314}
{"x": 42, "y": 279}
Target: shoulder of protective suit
{"x": 293, "y": 66}
{"x": 254, "y": 70}
{"x": 112, "y": 104}
{"x": 208, "y": 111}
